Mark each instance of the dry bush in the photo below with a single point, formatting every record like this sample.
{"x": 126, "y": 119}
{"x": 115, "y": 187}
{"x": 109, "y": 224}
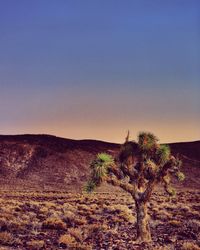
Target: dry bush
{"x": 127, "y": 215}
{"x": 161, "y": 215}
{"x": 79, "y": 234}
{"x": 17, "y": 225}
{"x": 175, "y": 223}
{"x": 162, "y": 248}
{"x": 32, "y": 216}
{"x": 49, "y": 205}
{"x": 93, "y": 207}
{"x": 68, "y": 207}
{"x": 116, "y": 221}
{"x": 93, "y": 218}
{"x": 44, "y": 210}
{"x": 122, "y": 211}
{"x": 66, "y": 240}
{"x": 72, "y": 220}
{"x": 84, "y": 213}
{"x": 83, "y": 207}
{"x": 54, "y": 223}
{"x": 97, "y": 227}
{"x": 36, "y": 226}
{"x": 8, "y": 216}
{"x": 183, "y": 208}
{"x": 190, "y": 246}
{"x": 69, "y": 242}
{"x": 35, "y": 244}
{"x": 80, "y": 246}
{"x": 79, "y": 221}
{"x": 69, "y": 218}
{"x": 194, "y": 215}
{"x": 6, "y": 238}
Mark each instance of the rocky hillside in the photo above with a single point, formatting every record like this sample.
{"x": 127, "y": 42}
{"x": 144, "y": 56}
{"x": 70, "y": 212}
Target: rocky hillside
{"x": 44, "y": 161}
{"x": 49, "y": 162}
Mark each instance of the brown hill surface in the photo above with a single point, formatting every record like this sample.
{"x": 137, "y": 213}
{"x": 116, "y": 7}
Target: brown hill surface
{"x": 191, "y": 150}
{"x": 49, "y": 162}
{"x": 190, "y": 154}
{"x": 44, "y": 161}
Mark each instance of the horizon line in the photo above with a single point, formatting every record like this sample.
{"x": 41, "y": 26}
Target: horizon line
{"x": 89, "y": 139}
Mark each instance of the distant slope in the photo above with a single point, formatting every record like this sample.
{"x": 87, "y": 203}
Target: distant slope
{"x": 45, "y": 161}
{"x": 57, "y": 144}
{"x": 49, "y": 162}
{"x": 190, "y": 154}
{"x": 188, "y": 149}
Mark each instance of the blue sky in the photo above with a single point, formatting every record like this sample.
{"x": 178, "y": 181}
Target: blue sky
{"x": 93, "y": 69}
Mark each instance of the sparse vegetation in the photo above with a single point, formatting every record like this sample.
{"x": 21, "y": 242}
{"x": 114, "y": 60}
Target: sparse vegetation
{"x": 35, "y": 244}
{"x": 78, "y": 221}
{"x": 54, "y": 223}
{"x": 66, "y": 240}
{"x": 190, "y": 246}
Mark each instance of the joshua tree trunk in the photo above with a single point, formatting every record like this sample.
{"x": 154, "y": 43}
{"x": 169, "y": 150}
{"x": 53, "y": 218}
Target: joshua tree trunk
{"x": 143, "y": 229}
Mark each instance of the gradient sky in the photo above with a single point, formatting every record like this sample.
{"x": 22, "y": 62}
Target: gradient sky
{"x": 94, "y": 69}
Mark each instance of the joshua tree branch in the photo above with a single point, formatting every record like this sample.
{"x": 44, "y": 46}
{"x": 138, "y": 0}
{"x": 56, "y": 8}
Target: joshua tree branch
{"x": 129, "y": 170}
{"x": 125, "y": 186}
{"x": 170, "y": 167}
{"x": 116, "y": 172}
{"x": 148, "y": 191}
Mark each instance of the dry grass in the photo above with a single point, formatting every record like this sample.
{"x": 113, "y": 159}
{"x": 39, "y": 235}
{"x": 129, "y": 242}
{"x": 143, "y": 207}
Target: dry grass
{"x": 6, "y": 238}
{"x": 54, "y": 223}
{"x": 175, "y": 223}
{"x": 35, "y": 244}
{"x": 190, "y": 246}
{"x": 66, "y": 240}
{"x": 97, "y": 221}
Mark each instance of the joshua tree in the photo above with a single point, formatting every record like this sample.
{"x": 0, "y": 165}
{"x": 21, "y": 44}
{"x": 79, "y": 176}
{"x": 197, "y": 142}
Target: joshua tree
{"x": 138, "y": 168}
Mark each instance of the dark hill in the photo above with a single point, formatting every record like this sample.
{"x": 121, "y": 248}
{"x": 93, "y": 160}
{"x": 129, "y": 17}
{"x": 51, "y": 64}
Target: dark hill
{"x": 49, "y": 162}
{"x": 188, "y": 149}
{"x": 45, "y": 161}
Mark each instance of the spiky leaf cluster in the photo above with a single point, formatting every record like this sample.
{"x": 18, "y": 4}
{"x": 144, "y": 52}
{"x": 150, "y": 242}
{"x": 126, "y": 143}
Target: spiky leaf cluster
{"x": 99, "y": 167}
{"x": 162, "y": 154}
{"x": 180, "y": 176}
{"x": 148, "y": 143}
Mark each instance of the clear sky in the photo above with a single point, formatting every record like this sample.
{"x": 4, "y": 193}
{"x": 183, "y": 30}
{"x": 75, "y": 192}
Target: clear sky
{"x": 94, "y": 69}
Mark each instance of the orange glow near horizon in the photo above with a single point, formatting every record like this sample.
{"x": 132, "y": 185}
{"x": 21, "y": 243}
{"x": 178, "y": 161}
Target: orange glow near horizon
{"x": 166, "y": 133}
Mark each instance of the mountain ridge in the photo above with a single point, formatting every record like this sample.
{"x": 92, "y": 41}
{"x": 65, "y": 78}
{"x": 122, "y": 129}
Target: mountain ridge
{"x": 50, "y": 162}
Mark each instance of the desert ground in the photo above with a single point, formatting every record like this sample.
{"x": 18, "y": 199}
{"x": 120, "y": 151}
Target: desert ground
{"x": 60, "y": 220}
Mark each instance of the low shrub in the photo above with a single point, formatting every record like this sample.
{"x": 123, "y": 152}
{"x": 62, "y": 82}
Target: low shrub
{"x": 6, "y": 238}
{"x": 54, "y": 223}
{"x": 189, "y": 246}
{"x": 35, "y": 244}
{"x": 66, "y": 240}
